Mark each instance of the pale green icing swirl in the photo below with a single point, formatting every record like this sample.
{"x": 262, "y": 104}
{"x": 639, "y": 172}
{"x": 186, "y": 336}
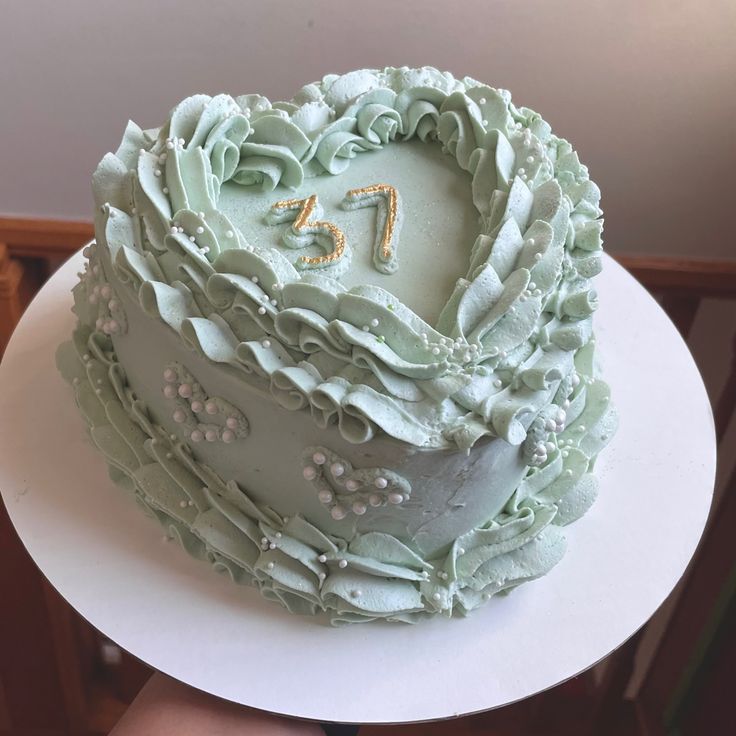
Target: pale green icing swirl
{"x": 526, "y": 297}
{"x": 371, "y": 576}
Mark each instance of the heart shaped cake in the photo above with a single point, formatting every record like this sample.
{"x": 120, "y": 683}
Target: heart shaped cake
{"x": 341, "y": 347}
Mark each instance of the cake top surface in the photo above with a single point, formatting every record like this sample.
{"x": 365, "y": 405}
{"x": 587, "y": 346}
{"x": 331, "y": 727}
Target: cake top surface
{"x": 397, "y": 250}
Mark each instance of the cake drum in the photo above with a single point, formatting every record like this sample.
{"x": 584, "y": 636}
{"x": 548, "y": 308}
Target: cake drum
{"x": 108, "y": 560}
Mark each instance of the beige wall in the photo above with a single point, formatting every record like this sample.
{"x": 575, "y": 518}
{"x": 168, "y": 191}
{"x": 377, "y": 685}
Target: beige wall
{"x": 644, "y": 88}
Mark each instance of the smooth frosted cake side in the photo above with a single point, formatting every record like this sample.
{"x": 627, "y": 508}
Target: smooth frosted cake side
{"x": 341, "y": 347}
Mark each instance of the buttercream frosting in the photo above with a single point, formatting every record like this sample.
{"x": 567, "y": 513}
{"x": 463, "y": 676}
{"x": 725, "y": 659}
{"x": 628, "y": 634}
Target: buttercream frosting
{"x": 508, "y": 360}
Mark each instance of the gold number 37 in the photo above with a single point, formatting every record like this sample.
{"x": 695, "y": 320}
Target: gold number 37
{"x": 307, "y": 229}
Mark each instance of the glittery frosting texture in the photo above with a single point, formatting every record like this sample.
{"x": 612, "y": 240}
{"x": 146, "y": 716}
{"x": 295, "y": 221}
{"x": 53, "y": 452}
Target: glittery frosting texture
{"x": 511, "y": 355}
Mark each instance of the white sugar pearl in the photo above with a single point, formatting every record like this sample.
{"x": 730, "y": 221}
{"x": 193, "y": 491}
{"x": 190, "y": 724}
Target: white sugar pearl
{"x": 183, "y": 504}
{"x": 270, "y": 565}
{"x": 359, "y": 508}
{"x": 196, "y": 436}
{"x": 231, "y": 423}
{"x": 343, "y": 564}
{"x": 366, "y": 328}
{"x": 197, "y": 406}
{"x": 229, "y": 234}
{"x": 210, "y": 435}
{"x": 338, "y": 513}
{"x": 319, "y": 458}
{"x": 185, "y": 390}
{"x": 310, "y": 473}
{"x": 436, "y": 596}
{"x": 254, "y": 279}
{"x": 179, "y": 416}
{"x": 228, "y": 436}
{"x": 575, "y": 379}
{"x": 210, "y": 407}
{"x": 374, "y": 322}
{"x": 200, "y": 230}
{"x": 395, "y": 498}
{"x": 482, "y": 101}
{"x": 337, "y": 469}
{"x": 380, "y": 482}
{"x": 435, "y": 351}
{"x": 325, "y": 496}
{"x": 266, "y": 344}
{"x": 352, "y": 485}
{"x": 498, "y": 383}
{"x": 375, "y": 500}
{"x": 169, "y": 375}
{"x": 322, "y": 558}
{"x": 460, "y": 551}
{"x": 169, "y": 391}
{"x": 106, "y": 291}
{"x": 261, "y": 310}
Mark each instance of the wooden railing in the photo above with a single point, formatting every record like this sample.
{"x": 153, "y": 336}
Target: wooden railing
{"x": 30, "y": 251}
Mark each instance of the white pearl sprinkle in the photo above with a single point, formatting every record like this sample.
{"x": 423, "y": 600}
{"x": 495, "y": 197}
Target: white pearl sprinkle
{"x": 395, "y": 498}
{"x": 185, "y": 390}
{"x": 229, "y": 234}
{"x": 343, "y": 564}
{"x": 359, "y": 508}
{"x": 210, "y": 435}
{"x": 498, "y": 383}
{"x": 435, "y": 351}
{"x": 266, "y": 343}
{"x": 460, "y": 551}
{"x": 157, "y": 172}
{"x": 272, "y": 545}
{"x": 196, "y": 436}
{"x": 375, "y": 500}
{"x": 380, "y": 482}
{"x": 228, "y": 436}
{"x": 319, "y": 458}
{"x": 200, "y": 230}
{"x": 322, "y": 558}
{"x": 211, "y": 407}
{"x": 352, "y": 485}
{"x": 366, "y": 328}
{"x": 183, "y": 504}
{"x": 436, "y": 596}
{"x": 338, "y": 513}
{"x": 325, "y": 496}
{"x": 261, "y": 310}
{"x": 254, "y": 279}
{"x": 482, "y": 101}
{"x": 166, "y": 190}
{"x": 310, "y": 473}
{"x": 179, "y": 416}
{"x": 337, "y": 469}
{"x": 197, "y": 406}
{"x": 485, "y": 122}
{"x": 374, "y": 322}
{"x": 270, "y": 565}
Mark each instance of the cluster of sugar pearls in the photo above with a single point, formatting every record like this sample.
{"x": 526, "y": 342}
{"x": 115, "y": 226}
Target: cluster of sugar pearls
{"x": 174, "y": 389}
{"x": 338, "y": 509}
{"x": 100, "y": 294}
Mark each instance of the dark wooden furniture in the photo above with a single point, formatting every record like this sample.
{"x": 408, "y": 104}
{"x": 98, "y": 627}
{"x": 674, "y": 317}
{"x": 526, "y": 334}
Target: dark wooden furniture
{"x": 60, "y": 677}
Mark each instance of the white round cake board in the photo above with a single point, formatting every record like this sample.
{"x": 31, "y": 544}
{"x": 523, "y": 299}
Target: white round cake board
{"x": 624, "y": 557}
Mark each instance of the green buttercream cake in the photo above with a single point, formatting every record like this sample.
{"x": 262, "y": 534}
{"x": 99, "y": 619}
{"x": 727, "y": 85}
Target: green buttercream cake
{"x": 341, "y": 347}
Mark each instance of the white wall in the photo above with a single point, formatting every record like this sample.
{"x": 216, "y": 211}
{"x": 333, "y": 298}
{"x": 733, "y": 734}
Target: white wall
{"x": 644, "y": 88}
